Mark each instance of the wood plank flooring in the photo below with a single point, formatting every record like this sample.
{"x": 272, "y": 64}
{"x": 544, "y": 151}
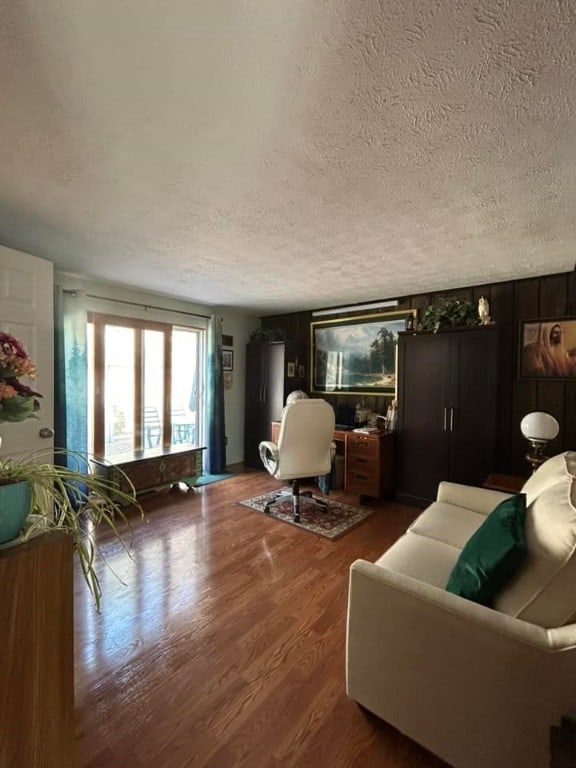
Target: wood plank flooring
{"x": 220, "y": 643}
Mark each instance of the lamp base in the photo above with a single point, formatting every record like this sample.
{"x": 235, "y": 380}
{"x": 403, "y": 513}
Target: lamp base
{"x": 535, "y": 456}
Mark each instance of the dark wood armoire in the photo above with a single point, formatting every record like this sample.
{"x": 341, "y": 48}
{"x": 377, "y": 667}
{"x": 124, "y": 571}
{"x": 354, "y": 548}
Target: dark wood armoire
{"x": 268, "y": 365}
{"x": 447, "y": 410}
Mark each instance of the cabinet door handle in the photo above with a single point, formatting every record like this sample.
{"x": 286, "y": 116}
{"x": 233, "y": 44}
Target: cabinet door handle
{"x": 451, "y": 419}
{"x": 445, "y": 419}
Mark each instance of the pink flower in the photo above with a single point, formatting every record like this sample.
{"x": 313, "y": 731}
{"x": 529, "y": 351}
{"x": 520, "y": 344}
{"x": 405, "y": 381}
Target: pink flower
{"x": 14, "y": 358}
{"x": 22, "y": 389}
{"x": 6, "y": 391}
{"x": 17, "y": 400}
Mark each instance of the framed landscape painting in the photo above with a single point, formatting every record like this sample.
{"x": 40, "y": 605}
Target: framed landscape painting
{"x": 547, "y": 348}
{"x": 356, "y": 354}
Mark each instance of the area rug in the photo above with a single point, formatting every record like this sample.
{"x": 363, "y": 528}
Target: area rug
{"x": 206, "y": 479}
{"x": 332, "y": 522}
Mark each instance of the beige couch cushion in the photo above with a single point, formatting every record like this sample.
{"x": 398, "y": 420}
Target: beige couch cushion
{"x": 553, "y": 470}
{"x": 543, "y": 590}
{"x": 431, "y": 546}
{"x": 447, "y": 523}
{"x": 421, "y": 558}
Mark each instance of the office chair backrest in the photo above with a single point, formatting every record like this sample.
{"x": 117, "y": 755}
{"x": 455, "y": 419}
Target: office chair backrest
{"x": 305, "y": 439}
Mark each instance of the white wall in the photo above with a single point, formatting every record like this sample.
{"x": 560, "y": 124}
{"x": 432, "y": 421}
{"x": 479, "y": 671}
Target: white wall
{"x": 240, "y": 327}
{"x": 234, "y": 324}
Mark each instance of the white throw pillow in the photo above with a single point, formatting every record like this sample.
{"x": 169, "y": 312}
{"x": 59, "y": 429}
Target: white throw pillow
{"x": 548, "y": 474}
{"x": 542, "y": 591}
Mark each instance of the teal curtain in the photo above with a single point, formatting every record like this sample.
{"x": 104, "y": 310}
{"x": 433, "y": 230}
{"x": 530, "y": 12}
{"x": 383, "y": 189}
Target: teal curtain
{"x": 215, "y": 431}
{"x": 70, "y": 377}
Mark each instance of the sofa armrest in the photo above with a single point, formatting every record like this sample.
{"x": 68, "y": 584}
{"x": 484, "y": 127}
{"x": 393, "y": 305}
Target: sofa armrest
{"x": 376, "y": 580}
{"x": 420, "y": 657}
{"x": 482, "y": 500}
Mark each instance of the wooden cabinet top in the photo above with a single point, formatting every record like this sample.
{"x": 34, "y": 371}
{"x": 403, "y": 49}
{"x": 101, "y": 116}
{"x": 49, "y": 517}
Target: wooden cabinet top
{"x": 148, "y": 453}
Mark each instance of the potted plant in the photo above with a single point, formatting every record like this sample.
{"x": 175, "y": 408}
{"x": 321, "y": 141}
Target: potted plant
{"x": 449, "y": 313}
{"x": 39, "y": 496}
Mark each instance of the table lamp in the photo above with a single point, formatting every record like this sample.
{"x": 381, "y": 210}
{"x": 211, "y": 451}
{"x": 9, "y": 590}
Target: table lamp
{"x": 538, "y": 428}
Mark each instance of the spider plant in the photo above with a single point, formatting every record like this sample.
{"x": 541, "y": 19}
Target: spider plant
{"x": 70, "y": 500}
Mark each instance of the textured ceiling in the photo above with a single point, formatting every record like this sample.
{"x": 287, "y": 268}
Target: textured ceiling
{"x": 286, "y": 154}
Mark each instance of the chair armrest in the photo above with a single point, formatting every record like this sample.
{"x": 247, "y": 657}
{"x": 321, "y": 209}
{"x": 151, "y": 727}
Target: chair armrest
{"x": 482, "y": 500}
{"x": 269, "y": 455}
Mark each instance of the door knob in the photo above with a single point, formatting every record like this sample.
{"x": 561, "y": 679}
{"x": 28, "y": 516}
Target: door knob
{"x": 46, "y": 432}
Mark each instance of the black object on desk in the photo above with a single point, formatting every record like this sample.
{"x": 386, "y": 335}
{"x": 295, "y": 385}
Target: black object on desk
{"x": 345, "y": 416}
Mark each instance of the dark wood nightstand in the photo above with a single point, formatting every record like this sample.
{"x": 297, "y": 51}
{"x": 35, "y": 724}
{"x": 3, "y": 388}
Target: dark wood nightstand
{"x": 505, "y": 483}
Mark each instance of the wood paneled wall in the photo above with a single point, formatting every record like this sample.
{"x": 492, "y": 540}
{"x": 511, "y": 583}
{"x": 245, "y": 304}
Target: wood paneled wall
{"x": 510, "y": 303}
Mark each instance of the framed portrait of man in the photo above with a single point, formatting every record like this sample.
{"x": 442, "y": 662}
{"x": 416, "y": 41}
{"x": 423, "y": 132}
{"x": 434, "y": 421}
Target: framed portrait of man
{"x": 548, "y": 348}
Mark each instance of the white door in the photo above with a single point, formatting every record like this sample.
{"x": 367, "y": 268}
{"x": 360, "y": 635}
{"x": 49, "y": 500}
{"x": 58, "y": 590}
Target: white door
{"x": 26, "y": 311}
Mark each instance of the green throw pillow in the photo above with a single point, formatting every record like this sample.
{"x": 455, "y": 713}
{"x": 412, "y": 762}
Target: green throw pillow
{"x": 492, "y": 554}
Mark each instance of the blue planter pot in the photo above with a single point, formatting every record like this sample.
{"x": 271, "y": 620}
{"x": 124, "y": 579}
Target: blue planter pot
{"x": 15, "y": 504}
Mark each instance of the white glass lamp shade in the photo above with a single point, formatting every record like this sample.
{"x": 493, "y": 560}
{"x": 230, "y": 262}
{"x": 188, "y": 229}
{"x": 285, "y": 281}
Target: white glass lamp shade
{"x": 539, "y": 426}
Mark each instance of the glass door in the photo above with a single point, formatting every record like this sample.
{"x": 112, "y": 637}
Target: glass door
{"x": 186, "y": 411}
{"x": 146, "y": 385}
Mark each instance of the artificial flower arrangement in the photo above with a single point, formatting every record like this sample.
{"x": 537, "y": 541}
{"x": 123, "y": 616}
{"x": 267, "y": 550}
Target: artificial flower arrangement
{"x": 17, "y": 400}
{"x": 58, "y": 497}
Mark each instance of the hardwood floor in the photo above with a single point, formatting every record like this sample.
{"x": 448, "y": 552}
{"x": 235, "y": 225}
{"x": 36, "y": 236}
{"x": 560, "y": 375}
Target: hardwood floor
{"x": 223, "y": 643}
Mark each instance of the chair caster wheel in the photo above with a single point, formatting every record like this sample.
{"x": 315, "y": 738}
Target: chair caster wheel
{"x": 267, "y": 509}
{"x": 296, "y": 518}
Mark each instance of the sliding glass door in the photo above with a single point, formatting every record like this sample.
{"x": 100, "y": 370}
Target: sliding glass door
{"x": 146, "y": 385}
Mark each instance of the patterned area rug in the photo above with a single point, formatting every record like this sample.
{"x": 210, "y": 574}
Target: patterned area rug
{"x": 332, "y": 522}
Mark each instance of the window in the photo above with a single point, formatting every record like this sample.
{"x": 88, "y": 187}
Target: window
{"x": 145, "y": 385}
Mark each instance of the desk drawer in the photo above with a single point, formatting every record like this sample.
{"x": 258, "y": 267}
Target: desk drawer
{"x": 363, "y": 445}
{"x": 359, "y": 463}
{"x": 363, "y": 483}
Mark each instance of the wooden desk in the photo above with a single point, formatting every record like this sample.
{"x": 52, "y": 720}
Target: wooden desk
{"x": 150, "y": 470}
{"x": 368, "y": 460}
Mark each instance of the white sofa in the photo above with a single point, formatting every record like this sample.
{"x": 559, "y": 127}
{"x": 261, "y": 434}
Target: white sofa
{"x": 479, "y": 687}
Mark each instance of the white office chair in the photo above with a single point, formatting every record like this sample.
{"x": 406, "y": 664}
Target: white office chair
{"x": 304, "y": 449}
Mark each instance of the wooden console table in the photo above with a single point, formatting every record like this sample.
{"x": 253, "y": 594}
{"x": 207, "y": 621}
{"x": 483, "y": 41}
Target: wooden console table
{"x": 153, "y": 469}
{"x": 368, "y": 460}
{"x": 37, "y": 657}
{"x": 505, "y": 483}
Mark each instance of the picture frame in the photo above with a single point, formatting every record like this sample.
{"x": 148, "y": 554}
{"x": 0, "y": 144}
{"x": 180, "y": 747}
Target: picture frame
{"x": 357, "y": 354}
{"x": 227, "y": 360}
{"x": 547, "y": 348}
{"x": 290, "y": 370}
